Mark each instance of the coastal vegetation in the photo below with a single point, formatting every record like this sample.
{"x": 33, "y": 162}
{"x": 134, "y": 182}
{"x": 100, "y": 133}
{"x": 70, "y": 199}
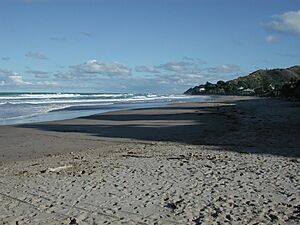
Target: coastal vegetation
{"x": 269, "y": 83}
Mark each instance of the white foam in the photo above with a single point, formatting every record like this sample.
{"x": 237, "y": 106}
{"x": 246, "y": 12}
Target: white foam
{"x": 27, "y": 106}
{"x": 39, "y": 101}
{"x": 38, "y": 96}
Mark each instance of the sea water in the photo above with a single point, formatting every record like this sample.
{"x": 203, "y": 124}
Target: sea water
{"x": 16, "y": 108}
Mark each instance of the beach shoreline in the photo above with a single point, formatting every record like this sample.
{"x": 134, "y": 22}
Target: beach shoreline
{"x": 244, "y": 117}
{"x": 231, "y": 160}
{"x": 21, "y": 108}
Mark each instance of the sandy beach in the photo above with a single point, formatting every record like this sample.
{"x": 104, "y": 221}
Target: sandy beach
{"x": 234, "y": 160}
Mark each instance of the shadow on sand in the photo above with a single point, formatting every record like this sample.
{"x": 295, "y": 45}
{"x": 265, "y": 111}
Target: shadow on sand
{"x": 250, "y": 126}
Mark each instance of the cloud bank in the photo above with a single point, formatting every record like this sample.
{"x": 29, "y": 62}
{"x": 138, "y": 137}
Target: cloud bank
{"x": 10, "y": 78}
{"x": 172, "y": 76}
{"x": 96, "y": 67}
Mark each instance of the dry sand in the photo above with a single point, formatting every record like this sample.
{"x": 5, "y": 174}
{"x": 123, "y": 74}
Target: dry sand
{"x": 231, "y": 161}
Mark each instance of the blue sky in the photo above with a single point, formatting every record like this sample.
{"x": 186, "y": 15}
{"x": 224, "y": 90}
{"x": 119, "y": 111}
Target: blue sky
{"x": 142, "y": 46}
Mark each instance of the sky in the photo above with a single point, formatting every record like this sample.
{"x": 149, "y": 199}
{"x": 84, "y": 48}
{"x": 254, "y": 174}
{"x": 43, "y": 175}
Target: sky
{"x": 157, "y": 46}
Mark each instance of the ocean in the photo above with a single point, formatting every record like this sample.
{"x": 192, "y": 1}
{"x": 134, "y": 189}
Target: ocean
{"x": 17, "y": 108}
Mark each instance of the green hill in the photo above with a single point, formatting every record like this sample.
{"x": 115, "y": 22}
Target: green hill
{"x": 274, "y": 82}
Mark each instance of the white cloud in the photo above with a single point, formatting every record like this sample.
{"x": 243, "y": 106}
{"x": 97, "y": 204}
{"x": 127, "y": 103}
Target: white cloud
{"x": 182, "y": 73}
{"x": 225, "y": 68}
{"x": 185, "y": 73}
{"x": 8, "y": 77}
{"x": 102, "y": 68}
{"x": 270, "y": 39}
{"x": 36, "y": 55}
{"x": 288, "y": 22}
{"x": 16, "y": 79}
{"x": 177, "y": 76}
{"x": 174, "y": 76}
{"x": 13, "y": 79}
